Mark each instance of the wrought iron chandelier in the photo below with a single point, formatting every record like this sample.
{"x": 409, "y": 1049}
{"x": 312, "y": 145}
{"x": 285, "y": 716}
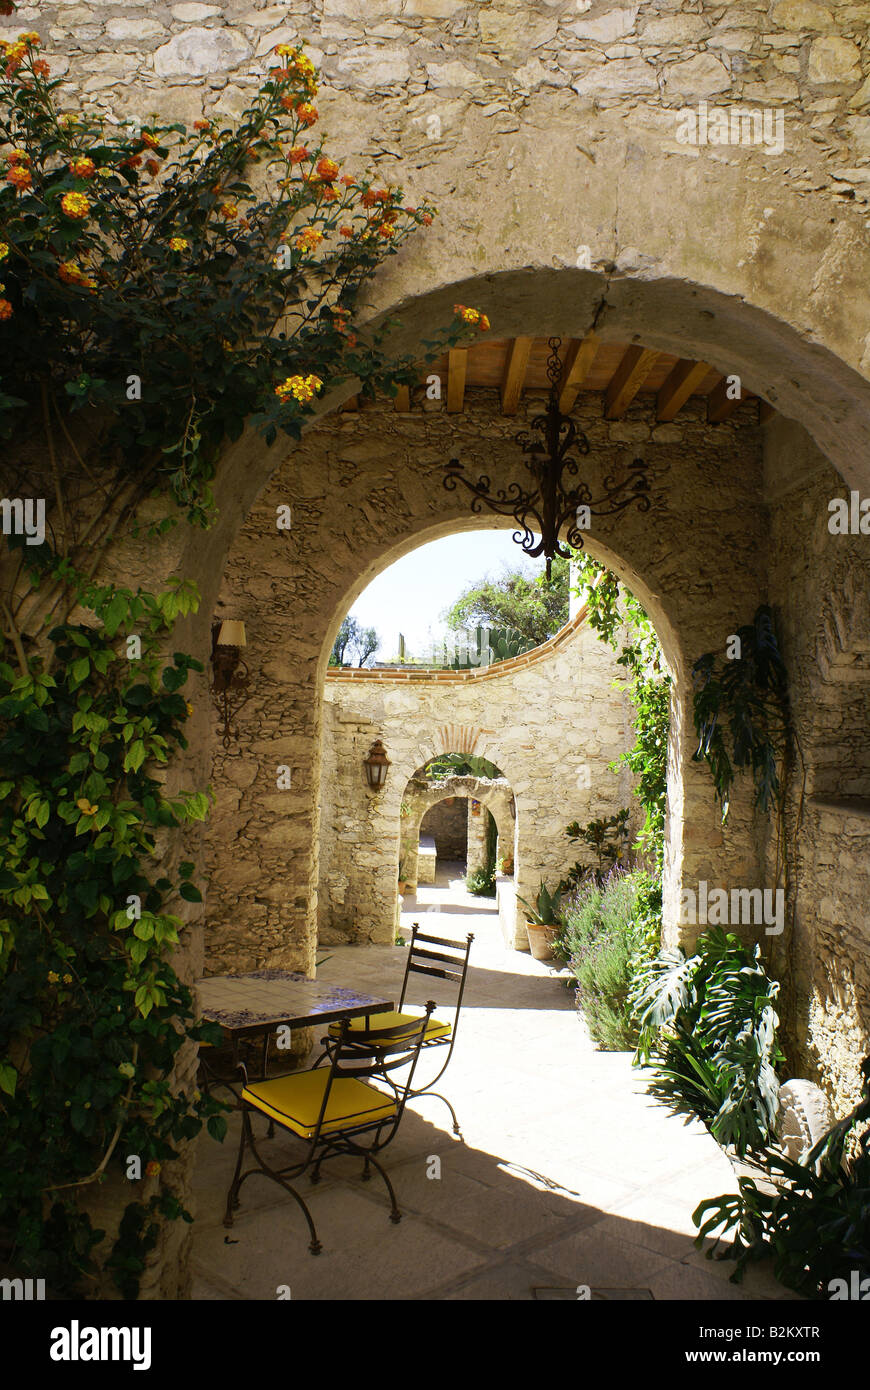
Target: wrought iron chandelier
{"x": 548, "y": 507}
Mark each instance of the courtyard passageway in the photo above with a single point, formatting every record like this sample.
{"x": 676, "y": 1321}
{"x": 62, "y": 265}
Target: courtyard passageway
{"x": 567, "y": 1173}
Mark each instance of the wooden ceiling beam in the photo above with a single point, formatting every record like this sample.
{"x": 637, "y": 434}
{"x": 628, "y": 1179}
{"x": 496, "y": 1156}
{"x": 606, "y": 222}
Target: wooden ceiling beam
{"x": 578, "y": 362}
{"x": 352, "y": 403}
{"x": 719, "y": 404}
{"x": 515, "y": 374}
{"x": 765, "y": 411}
{"x": 457, "y": 366}
{"x": 403, "y": 398}
{"x": 682, "y": 382}
{"x": 632, "y": 372}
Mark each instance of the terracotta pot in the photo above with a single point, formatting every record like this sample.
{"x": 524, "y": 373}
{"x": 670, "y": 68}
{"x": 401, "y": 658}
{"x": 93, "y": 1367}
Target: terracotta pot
{"x": 541, "y": 940}
{"x": 402, "y": 886}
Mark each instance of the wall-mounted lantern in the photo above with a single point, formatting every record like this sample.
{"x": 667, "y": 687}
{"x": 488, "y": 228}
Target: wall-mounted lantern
{"x": 231, "y": 678}
{"x": 376, "y": 765}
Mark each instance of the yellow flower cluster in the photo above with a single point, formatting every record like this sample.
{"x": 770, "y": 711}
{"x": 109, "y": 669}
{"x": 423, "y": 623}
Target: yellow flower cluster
{"x": 297, "y": 64}
{"x": 178, "y": 243}
{"x": 301, "y": 388}
{"x": 4, "y": 250}
{"x": 75, "y": 205}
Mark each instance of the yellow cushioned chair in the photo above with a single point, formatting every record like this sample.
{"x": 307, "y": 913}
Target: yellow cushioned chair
{"x": 393, "y": 1019}
{"x": 333, "y": 1110}
{"x": 295, "y": 1101}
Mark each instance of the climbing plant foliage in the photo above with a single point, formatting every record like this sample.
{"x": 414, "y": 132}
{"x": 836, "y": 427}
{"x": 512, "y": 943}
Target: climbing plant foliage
{"x": 161, "y": 289}
{"x": 621, "y": 621}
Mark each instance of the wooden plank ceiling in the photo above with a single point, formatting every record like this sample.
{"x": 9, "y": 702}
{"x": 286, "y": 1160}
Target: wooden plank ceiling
{"x": 619, "y": 372}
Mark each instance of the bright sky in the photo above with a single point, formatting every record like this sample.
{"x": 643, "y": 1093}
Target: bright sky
{"x": 411, "y": 595}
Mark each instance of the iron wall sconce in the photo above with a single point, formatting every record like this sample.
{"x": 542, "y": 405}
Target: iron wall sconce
{"x": 231, "y": 680}
{"x": 376, "y": 765}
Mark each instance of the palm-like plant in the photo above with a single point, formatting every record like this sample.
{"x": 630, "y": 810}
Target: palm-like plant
{"x": 708, "y": 1029}
{"x": 816, "y": 1220}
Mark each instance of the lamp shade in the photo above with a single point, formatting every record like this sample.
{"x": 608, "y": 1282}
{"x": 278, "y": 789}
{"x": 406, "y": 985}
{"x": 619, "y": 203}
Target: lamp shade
{"x": 232, "y": 634}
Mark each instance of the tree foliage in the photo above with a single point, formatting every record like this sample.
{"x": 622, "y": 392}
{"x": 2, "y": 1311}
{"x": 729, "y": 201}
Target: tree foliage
{"x": 532, "y": 608}
{"x": 354, "y": 643}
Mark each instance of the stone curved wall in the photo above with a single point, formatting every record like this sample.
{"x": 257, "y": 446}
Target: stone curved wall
{"x": 553, "y": 726}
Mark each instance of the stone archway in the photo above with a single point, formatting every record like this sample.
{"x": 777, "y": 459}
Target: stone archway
{"x": 421, "y": 796}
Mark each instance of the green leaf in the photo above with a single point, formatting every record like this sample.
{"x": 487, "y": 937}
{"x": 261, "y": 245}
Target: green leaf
{"x": 8, "y": 1078}
{"x": 190, "y": 893}
{"x": 135, "y": 756}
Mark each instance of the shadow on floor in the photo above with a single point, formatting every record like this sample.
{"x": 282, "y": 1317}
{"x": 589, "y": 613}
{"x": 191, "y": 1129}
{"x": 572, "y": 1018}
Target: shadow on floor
{"x": 475, "y": 1226}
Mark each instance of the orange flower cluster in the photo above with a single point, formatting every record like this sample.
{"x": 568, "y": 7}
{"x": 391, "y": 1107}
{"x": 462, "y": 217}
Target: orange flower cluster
{"x": 178, "y": 243}
{"x": 472, "y": 316}
{"x": 306, "y": 113}
{"x": 71, "y": 273}
{"x": 19, "y": 176}
{"x": 83, "y": 168}
{"x": 297, "y": 154}
{"x": 5, "y": 308}
{"x": 15, "y": 53}
{"x": 300, "y": 388}
{"x": 327, "y": 169}
{"x": 341, "y": 323}
{"x": 229, "y": 211}
{"x": 308, "y": 239}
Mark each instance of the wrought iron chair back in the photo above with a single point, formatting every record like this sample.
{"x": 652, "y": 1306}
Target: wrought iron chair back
{"x": 420, "y": 958}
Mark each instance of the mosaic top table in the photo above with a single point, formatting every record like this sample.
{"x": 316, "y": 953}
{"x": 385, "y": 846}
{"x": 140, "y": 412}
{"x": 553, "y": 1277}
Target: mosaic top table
{"x": 260, "y": 1000}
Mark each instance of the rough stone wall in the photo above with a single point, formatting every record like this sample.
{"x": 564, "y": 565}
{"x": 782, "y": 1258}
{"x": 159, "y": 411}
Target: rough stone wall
{"x": 552, "y": 725}
{"x": 447, "y": 823}
{"x": 820, "y": 590}
{"x": 425, "y": 59}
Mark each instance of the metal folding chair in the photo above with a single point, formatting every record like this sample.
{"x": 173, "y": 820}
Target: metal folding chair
{"x": 334, "y": 1109}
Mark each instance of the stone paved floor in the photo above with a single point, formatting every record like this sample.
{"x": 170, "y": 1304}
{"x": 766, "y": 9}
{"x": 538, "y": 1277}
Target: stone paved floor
{"x": 567, "y": 1173}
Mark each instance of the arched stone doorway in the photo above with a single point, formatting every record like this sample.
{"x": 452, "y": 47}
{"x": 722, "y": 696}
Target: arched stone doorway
{"x": 682, "y": 563}
{"x": 422, "y": 797}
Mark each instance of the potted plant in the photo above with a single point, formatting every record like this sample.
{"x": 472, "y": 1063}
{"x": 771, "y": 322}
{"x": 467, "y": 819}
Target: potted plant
{"x": 403, "y": 883}
{"x": 542, "y": 922}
